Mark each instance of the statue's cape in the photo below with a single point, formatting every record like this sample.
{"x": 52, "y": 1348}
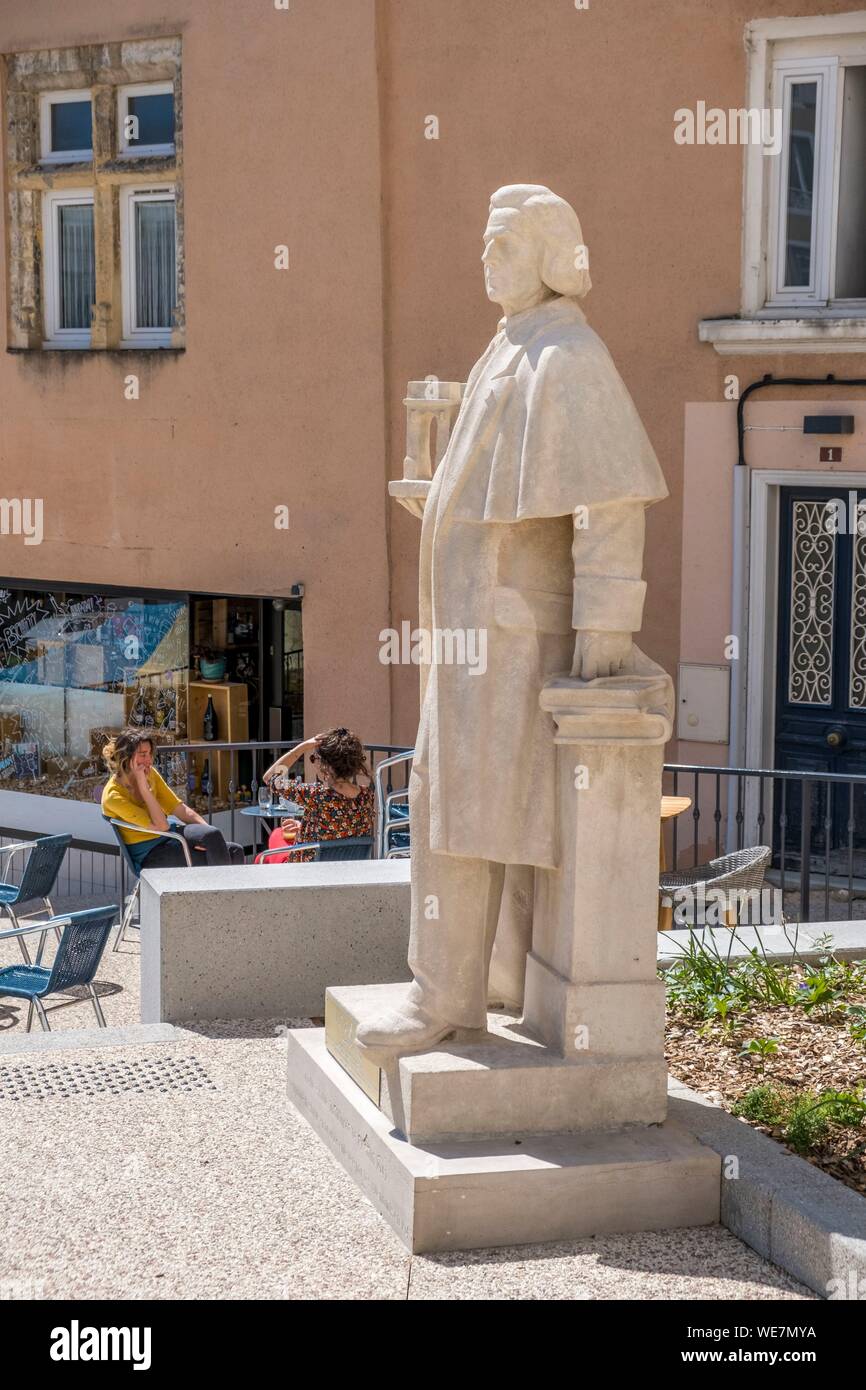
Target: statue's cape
{"x": 546, "y": 425}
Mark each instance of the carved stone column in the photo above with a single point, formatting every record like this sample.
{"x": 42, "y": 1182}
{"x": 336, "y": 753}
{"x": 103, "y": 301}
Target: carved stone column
{"x": 592, "y": 991}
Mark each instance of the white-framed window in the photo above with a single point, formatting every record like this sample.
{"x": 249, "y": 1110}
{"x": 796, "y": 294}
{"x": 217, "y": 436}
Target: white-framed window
{"x": 69, "y": 267}
{"x": 805, "y": 206}
{"x": 803, "y": 286}
{"x": 65, "y": 127}
{"x": 817, "y": 207}
{"x": 145, "y": 119}
{"x": 148, "y": 257}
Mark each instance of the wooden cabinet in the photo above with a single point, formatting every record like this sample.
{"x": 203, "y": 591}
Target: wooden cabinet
{"x": 231, "y": 703}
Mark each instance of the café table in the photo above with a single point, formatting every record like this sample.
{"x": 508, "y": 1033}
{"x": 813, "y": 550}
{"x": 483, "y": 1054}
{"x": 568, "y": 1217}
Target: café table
{"x": 273, "y": 811}
{"x": 671, "y": 807}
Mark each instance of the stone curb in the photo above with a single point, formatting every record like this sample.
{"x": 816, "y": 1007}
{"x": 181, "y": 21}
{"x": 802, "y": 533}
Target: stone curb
{"x": 849, "y": 941}
{"x": 788, "y": 1211}
{"x": 77, "y": 1039}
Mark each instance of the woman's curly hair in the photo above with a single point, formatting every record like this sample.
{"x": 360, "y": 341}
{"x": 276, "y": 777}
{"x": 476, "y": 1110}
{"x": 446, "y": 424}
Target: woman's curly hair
{"x": 343, "y": 752}
{"x": 119, "y": 752}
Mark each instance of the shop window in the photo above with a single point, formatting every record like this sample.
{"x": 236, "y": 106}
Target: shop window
{"x": 66, "y": 127}
{"x": 145, "y": 119}
{"x": 75, "y": 668}
{"x": 149, "y": 265}
{"x": 69, "y": 267}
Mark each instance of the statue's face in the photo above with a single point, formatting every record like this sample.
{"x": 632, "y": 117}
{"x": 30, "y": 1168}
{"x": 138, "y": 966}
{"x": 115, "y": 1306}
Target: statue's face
{"x": 511, "y": 261}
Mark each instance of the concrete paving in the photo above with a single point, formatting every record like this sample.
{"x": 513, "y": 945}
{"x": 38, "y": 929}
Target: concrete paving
{"x": 150, "y": 1180}
{"x": 179, "y": 1170}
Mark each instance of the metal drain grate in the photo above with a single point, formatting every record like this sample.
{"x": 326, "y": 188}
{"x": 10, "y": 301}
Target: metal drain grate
{"x": 57, "y": 1082}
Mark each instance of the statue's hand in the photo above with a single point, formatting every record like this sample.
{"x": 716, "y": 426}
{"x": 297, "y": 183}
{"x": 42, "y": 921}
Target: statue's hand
{"x": 602, "y": 654}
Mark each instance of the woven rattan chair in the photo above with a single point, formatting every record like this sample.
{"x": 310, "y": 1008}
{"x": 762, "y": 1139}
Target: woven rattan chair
{"x": 742, "y": 871}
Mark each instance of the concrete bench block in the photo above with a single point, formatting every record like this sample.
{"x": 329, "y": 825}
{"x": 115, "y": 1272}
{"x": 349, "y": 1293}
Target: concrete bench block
{"x": 265, "y": 941}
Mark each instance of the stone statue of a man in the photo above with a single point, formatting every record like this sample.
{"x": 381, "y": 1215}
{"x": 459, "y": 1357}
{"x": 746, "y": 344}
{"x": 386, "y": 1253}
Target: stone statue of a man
{"x": 533, "y": 531}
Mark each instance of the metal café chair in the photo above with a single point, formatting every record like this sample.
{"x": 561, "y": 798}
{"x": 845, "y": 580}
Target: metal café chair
{"x": 396, "y": 828}
{"x": 327, "y": 851}
{"x": 82, "y": 942}
{"x": 392, "y": 811}
{"x": 133, "y": 898}
{"x": 37, "y": 881}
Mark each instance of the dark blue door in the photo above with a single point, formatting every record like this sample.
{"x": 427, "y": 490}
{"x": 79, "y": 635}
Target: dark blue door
{"x": 821, "y": 669}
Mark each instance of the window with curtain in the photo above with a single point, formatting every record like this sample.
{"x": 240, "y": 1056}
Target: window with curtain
{"x": 92, "y": 162}
{"x": 155, "y": 273}
{"x": 76, "y": 265}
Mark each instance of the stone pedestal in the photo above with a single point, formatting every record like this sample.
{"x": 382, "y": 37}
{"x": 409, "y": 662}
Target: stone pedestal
{"x": 553, "y": 1126}
{"x": 592, "y": 987}
{"x": 511, "y": 1190}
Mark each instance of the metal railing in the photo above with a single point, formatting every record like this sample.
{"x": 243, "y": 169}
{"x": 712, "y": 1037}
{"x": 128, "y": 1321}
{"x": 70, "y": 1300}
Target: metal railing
{"x": 815, "y": 823}
{"x": 91, "y": 873}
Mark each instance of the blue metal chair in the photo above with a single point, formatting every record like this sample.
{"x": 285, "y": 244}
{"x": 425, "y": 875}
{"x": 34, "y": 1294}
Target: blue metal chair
{"x": 76, "y": 962}
{"x": 397, "y": 830}
{"x": 392, "y": 810}
{"x": 134, "y": 896}
{"x": 37, "y": 881}
{"x": 355, "y": 847}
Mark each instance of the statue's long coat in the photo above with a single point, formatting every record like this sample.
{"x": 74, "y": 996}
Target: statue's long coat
{"x": 546, "y": 426}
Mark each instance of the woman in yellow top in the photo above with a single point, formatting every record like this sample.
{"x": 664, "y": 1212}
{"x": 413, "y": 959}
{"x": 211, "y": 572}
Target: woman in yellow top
{"x": 136, "y": 793}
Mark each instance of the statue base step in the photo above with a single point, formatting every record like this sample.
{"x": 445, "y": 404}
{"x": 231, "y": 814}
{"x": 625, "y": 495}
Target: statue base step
{"x": 508, "y": 1190}
{"x": 499, "y": 1082}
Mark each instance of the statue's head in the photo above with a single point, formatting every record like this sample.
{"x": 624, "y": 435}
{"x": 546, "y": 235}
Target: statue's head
{"x": 533, "y": 248}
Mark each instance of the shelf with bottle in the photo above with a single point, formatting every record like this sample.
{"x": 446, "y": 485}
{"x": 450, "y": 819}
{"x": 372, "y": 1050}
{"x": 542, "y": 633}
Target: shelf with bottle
{"x": 219, "y": 713}
{"x": 157, "y": 701}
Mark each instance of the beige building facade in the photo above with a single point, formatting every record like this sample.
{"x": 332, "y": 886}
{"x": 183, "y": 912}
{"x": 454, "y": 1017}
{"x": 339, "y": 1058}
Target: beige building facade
{"x": 328, "y": 179}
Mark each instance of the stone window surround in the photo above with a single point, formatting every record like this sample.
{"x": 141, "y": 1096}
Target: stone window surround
{"x": 102, "y": 69}
{"x": 758, "y": 330}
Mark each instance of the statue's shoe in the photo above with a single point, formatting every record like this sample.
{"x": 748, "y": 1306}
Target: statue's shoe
{"x": 407, "y": 1029}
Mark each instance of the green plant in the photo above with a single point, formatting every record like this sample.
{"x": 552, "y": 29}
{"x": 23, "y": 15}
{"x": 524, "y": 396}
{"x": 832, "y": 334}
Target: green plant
{"x": 804, "y": 1118}
{"x": 856, "y": 1014}
{"x": 846, "y": 1108}
{"x": 722, "y": 1005}
{"x": 763, "y": 1105}
{"x": 761, "y": 1048}
{"x": 824, "y": 942}
{"x": 702, "y": 974}
{"x": 820, "y": 993}
{"x": 804, "y": 1124}
{"x": 858, "y": 973}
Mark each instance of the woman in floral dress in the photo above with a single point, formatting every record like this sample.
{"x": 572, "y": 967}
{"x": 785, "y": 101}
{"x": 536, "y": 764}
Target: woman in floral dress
{"x": 338, "y": 807}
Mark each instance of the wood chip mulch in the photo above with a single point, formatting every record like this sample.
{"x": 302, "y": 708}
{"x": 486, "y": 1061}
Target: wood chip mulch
{"x": 814, "y": 1054}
